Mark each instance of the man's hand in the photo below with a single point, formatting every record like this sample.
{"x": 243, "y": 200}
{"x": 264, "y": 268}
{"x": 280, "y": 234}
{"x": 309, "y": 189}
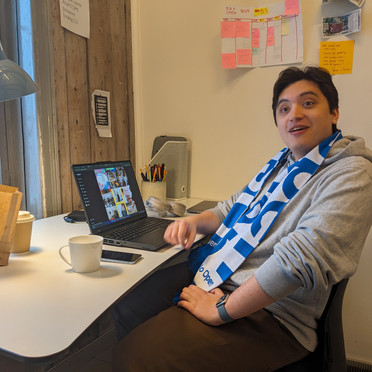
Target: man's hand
{"x": 181, "y": 232}
{"x": 202, "y": 304}
{"x": 245, "y": 300}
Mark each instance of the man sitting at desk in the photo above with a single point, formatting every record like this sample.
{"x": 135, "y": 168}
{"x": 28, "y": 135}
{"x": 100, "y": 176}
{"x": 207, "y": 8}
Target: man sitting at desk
{"x": 279, "y": 245}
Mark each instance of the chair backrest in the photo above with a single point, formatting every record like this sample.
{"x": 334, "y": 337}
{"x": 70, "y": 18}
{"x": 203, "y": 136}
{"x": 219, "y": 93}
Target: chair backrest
{"x": 329, "y": 355}
{"x": 331, "y": 347}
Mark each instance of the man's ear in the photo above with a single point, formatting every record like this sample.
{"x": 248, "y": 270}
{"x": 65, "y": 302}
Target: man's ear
{"x": 335, "y": 115}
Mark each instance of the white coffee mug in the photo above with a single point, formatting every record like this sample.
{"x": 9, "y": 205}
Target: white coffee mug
{"x": 85, "y": 253}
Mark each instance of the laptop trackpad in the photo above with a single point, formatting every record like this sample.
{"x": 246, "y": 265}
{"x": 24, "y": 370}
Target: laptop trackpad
{"x": 152, "y": 238}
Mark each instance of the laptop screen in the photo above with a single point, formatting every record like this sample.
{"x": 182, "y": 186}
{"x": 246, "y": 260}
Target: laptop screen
{"x": 109, "y": 193}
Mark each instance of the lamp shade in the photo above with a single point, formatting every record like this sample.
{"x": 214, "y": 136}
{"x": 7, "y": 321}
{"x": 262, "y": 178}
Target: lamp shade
{"x": 14, "y": 81}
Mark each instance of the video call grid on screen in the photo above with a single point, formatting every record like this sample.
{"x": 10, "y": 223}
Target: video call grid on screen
{"x": 111, "y": 190}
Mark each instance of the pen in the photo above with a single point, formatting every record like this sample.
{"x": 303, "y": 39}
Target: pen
{"x": 164, "y": 174}
{"x": 143, "y": 176}
{"x": 148, "y": 172}
{"x": 154, "y": 173}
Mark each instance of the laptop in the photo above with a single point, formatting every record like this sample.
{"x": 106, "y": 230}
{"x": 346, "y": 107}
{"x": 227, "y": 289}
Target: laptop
{"x": 114, "y": 207}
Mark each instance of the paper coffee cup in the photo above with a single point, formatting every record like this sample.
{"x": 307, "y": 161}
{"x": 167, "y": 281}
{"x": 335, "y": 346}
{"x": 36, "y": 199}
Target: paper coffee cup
{"x": 22, "y": 235}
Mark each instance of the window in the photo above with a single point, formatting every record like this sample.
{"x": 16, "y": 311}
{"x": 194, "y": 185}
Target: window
{"x": 28, "y": 157}
{"x": 19, "y": 157}
{"x": 32, "y": 195}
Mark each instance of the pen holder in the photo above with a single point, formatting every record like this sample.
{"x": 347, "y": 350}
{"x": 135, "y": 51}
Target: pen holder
{"x": 157, "y": 189}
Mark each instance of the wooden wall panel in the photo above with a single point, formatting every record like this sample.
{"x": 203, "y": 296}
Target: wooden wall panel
{"x": 80, "y": 66}
{"x": 78, "y": 105}
{"x": 60, "y": 83}
{"x": 129, "y": 123}
{"x": 100, "y": 70}
{"x": 123, "y": 88}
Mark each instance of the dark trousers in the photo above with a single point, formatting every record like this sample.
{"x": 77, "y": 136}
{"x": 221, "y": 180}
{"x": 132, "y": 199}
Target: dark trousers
{"x": 158, "y": 336}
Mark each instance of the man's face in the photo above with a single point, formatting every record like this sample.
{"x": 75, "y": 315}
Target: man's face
{"x": 303, "y": 117}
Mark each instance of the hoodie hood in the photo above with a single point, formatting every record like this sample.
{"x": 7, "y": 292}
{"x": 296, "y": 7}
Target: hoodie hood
{"x": 346, "y": 147}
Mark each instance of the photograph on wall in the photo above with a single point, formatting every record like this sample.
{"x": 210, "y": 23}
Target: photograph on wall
{"x": 342, "y": 25}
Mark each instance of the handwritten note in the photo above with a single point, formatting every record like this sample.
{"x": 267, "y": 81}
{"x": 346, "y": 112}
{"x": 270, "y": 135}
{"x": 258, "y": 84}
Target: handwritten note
{"x": 244, "y": 56}
{"x": 242, "y": 29}
{"x": 261, "y": 11}
{"x": 230, "y": 11}
{"x": 75, "y": 16}
{"x": 270, "y": 36}
{"x": 286, "y": 27}
{"x": 228, "y": 29}
{"x": 228, "y": 60}
{"x": 292, "y": 7}
{"x": 256, "y": 38}
{"x": 337, "y": 56}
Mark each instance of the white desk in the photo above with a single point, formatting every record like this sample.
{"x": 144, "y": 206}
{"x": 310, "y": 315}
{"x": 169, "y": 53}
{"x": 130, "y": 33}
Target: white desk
{"x": 45, "y": 306}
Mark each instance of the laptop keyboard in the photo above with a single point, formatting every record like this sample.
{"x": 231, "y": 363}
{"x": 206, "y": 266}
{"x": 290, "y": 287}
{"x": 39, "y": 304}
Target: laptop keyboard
{"x": 137, "y": 228}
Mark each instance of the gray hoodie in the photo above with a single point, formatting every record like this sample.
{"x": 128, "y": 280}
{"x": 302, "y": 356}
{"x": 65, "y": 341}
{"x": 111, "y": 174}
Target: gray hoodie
{"x": 315, "y": 242}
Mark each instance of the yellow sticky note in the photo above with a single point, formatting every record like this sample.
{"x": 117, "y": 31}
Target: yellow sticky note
{"x": 285, "y": 27}
{"x": 337, "y": 56}
{"x": 261, "y": 11}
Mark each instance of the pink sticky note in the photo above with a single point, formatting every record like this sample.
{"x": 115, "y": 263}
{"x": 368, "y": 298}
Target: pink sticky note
{"x": 228, "y": 60}
{"x": 242, "y": 29}
{"x": 292, "y": 7}
{"x": 244, "y": 57}
{"x": 270, "y": 36}
{"x": 255, "y": 38}
{"x": 228, "y": 29}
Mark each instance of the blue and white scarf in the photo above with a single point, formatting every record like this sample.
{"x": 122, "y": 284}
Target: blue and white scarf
{"x": 249, "y": 219}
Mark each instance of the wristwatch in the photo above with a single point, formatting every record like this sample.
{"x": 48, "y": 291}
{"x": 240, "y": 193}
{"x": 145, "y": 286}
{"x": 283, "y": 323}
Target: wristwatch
{"x": 221, "y": 309}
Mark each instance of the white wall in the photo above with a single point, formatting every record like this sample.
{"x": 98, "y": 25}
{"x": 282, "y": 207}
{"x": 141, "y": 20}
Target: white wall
{"x": 181, "y": 89}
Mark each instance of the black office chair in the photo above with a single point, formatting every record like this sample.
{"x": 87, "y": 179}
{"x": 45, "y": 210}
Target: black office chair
{"x": 329, "y": 355}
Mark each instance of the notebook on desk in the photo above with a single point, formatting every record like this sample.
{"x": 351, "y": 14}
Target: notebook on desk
{"x": 114, "y": 207}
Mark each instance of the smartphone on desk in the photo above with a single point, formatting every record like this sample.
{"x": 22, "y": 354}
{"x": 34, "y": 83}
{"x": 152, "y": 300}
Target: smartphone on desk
{"x": 202, "y": 206}
{"x": 120, "y": 257}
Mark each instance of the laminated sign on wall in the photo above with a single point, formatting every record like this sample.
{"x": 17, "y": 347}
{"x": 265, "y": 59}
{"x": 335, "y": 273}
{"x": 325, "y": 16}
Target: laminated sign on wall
{"x": 101, "y": 112}
{"x": 262, "y": 36}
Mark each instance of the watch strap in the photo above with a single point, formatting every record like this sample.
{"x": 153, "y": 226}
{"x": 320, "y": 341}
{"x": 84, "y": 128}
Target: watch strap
{"x": 222, "y": 310}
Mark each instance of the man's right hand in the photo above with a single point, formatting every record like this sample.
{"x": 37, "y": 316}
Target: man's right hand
{"x": 181, "y": 232}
